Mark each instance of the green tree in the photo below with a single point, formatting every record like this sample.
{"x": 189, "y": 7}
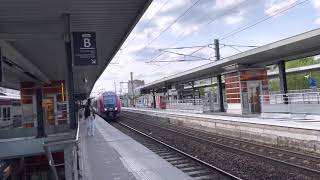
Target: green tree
{"x": 296, "y": 81}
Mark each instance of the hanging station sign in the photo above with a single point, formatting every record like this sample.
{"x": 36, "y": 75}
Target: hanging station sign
{"x": 84, "y": 48}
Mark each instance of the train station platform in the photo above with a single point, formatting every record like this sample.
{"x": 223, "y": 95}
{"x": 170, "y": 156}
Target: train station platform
{"x": 300, "y": 134}
{"x": 110, "y": 154}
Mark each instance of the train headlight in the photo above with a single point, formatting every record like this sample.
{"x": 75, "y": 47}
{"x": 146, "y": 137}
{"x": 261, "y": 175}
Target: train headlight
{"x": 105, "y": 109}
{"x": 116, "y": 108}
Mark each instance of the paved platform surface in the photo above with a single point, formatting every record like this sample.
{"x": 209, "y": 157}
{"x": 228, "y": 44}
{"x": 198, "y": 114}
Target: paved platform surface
{"x": 110, "y": 154}
{"x": 303, "y": 124}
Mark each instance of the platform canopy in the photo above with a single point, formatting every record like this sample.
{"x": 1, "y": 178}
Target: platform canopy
{"x": 299, "y": 46}
{"x": 32, "y": 37}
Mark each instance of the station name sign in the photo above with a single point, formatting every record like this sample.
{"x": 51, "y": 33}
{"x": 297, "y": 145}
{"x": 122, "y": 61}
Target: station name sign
{"x": 84, "y": 48}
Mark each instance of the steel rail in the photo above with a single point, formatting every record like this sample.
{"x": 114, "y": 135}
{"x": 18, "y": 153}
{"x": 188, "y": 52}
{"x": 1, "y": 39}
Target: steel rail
{"x": 181, "y": 152}
{"x": 237, "y": 149}
{"x": 254, "y": 144}
{"x": 248, "y": 142}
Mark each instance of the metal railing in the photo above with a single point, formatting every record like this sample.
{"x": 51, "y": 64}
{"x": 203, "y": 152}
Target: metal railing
{"x": 184, "y": 101}
{"x": 48, "y": 144}
{"x": 296, "y": 91}
{"x": 291, "y": 98}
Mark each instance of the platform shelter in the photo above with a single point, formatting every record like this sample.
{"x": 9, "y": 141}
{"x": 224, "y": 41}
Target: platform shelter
{"x": 242, "y": 79}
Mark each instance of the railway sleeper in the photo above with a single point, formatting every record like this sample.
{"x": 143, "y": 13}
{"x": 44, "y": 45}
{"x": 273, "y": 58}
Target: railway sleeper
{"x": 169, "y": 156}
{"x": 163, "y": 154}
{"x": 180, "y": 162}
{"x": 188, "y": 169}
{"x": 185, "y": 165}
{"x": 198, "y": 173}
{"x": 174, "y": 159}
{"x": 208, "y": 177}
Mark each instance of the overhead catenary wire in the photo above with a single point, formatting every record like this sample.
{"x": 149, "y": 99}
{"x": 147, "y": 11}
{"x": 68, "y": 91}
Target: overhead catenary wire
{"x": 235, "y": 45}
{"x": 264, "y": 18}
{"x": 212, "y": 20}
{"x": 175, "y": 21}
{"x": 168, "y": 27}
{"x": 148, "y": 23}
{"x": 181, "y": 60}
{"x": 240, "y": 30}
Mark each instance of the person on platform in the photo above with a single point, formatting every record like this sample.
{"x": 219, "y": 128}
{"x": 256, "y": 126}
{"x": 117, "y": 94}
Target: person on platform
{"x": 90, "y": 118}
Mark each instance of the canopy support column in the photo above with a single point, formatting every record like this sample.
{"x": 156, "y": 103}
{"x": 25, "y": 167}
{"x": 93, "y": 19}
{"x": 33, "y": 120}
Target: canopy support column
{"x": 219, "y": 79}
{"x": 283, "y": 80}
{"x": 67, "y": 42}
{"x": 154, "y": 99}
{"x": 40, "y": 120}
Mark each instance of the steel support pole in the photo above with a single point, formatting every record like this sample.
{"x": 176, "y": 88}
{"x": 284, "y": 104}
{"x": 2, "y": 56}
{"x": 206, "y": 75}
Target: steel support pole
{"x": 283, "y": 80}
{"x": 40, "y": 120}
{"x": 220, "y": 91}
{"x": 67, "y": 41}
{"x": 193, "y": 93}
{"x": 1, "y": 67}
{"x": 219, "y": 79}
{"x": 154, "y": 99}
{"x": 131, "y": 75}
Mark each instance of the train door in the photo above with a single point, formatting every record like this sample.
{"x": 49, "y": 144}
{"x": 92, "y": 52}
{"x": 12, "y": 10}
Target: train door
{"x": 161, "y": 102}
{"x": 254, "y": 91}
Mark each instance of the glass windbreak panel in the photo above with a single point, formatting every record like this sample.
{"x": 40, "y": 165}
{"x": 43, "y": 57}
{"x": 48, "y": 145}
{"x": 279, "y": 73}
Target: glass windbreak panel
{"x": 11, "y": 118}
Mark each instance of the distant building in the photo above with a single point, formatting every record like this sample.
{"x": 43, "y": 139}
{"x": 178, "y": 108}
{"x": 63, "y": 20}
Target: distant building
{"x": 136, "y": 83}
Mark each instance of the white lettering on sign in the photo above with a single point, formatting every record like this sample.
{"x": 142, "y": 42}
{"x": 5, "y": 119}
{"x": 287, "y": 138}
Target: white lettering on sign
{"x": 86, "y": 35}
{"x": 86, "y": 42}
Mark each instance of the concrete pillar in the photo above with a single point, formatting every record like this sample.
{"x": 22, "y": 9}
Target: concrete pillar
{"x": 283, "y": 80}
{"x": 40, "y": 120}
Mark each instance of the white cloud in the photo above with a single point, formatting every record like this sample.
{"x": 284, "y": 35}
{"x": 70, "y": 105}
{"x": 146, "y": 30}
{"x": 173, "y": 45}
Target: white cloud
{"x": 221, "y": 4}
{"x": 316, "y": 5}
{"x": 317, "y": 21}
{"x": 274, "y": 6}
{"x": 235, "y": 19}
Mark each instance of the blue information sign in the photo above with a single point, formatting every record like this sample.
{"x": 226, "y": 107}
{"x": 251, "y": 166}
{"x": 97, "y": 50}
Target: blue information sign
{"x": 84, "y": 48}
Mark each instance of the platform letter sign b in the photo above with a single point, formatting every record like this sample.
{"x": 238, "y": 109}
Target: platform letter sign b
{"x": 86, "y": 42}
{"x": 84, "y": 48}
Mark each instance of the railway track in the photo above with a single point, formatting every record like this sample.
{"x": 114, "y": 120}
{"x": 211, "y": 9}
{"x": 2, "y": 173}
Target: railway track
{"x": 296, "y": 160}
{"x": 194, "y": 167}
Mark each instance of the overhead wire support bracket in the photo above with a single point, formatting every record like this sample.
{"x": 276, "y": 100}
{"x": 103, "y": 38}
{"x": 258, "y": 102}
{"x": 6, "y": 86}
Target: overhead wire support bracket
{"x": 181, "y": 54}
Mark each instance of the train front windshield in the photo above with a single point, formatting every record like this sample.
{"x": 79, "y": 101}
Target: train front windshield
{"x": 110, "y": 102}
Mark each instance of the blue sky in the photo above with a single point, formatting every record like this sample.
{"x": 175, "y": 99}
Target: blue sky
{"x": 160, "y": 27}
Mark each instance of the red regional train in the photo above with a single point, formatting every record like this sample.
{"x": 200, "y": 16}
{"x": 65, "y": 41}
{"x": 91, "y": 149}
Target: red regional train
{"x": 107, "y": 106}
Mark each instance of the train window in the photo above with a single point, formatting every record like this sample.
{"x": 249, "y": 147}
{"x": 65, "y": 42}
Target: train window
{"x": 6, "y": 113}
{"x": 109, "y": 99}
